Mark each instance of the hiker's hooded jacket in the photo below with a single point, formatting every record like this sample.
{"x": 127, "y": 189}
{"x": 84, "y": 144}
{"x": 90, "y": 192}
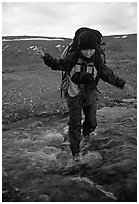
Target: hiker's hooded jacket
{"x": 81, "y": 78}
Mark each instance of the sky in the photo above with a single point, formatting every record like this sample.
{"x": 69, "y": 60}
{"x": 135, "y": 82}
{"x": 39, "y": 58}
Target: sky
{"x": 62, "y": 19}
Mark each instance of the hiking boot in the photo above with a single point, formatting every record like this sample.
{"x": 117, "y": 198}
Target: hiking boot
{"x": 92, "y": 135}
{"x": 85, "y": 143}
{"x": 74, "y": 163}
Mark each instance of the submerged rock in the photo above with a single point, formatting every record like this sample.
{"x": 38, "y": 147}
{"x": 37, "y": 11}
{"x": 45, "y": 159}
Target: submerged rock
{"x": 53, "y": 138}
{"x": 93, "y": 159}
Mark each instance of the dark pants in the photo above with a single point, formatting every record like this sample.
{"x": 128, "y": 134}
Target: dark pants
{"x": 75, "y": 109}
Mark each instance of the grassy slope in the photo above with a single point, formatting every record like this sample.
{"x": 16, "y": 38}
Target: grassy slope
{"x": 29, "y": 87}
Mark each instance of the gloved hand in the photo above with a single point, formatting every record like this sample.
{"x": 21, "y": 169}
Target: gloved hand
{"x": 81, "y": 78}
{"x": 40, "y": 53}
{"x": 85, "y": 78}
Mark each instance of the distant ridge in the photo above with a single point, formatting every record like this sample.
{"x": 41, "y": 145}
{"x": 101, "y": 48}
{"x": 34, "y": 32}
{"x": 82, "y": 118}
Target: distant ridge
{"x": 29, "y": 36}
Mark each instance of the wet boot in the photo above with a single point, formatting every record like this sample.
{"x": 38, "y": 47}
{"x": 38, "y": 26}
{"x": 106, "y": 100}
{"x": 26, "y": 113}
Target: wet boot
{"x": 87, "y": 140}
{"x": 74, "y": 164}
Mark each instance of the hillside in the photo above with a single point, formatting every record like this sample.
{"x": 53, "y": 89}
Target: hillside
{"x": 35, "y": 127}
{"x": 20, "y": 50}
{"x": 29, "y": 87}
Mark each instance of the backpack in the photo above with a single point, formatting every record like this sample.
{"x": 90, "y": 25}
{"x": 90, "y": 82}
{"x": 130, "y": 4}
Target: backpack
{"x": 72, "y": 47}
{"x": 98, "y": 35}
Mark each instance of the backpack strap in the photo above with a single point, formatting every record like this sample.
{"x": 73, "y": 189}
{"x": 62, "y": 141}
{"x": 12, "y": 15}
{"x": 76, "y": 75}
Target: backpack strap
{"x": 63, "y": 55}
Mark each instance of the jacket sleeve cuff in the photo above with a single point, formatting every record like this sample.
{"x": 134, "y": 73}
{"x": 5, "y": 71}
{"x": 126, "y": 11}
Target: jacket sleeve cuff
{"x": 48, "y": 60}
{"x": 122, "y": 84}
{"x": 46, "y": 56}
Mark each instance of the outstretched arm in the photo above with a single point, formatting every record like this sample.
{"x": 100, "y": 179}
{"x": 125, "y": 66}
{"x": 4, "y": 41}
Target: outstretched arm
{"x": 57, "y": 64}
{"x": 107, "y": 75}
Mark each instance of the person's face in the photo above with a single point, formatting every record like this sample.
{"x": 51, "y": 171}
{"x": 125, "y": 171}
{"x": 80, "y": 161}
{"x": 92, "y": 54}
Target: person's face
{"x": 88, "y": 53}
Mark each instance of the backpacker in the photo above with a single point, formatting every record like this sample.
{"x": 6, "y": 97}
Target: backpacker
{"x": 72, "y": 47}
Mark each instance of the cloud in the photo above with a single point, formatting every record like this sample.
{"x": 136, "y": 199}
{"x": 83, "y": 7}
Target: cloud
{"x": 63, "y": 18}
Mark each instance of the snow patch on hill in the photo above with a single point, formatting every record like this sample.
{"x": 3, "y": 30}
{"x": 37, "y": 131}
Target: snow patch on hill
{"x": 48, "y": 39}
{"x": 124, "y": 36}
{"x": 117, "y": 37}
